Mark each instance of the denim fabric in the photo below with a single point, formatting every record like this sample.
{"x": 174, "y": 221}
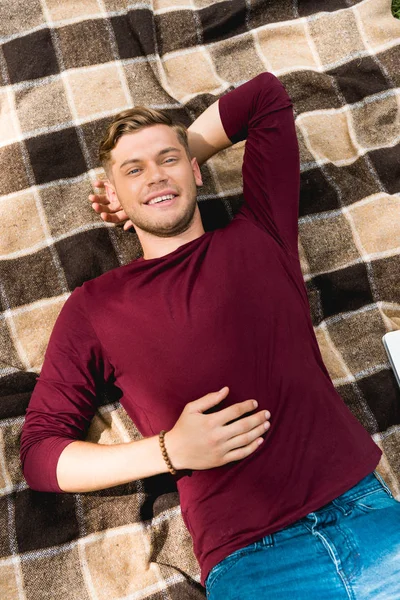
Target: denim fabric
{"x": 349, "y": 548}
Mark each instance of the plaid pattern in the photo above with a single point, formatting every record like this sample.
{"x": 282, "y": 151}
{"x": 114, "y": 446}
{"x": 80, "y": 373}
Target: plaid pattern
{"x": 66, "y": 69}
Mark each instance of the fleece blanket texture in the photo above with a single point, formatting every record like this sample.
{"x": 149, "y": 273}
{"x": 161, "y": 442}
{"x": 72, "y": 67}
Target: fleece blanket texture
{"x": 66, "y": 67}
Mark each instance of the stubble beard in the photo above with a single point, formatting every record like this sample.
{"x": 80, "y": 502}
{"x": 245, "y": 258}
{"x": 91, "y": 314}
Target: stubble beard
{"x": 165, "y": 226}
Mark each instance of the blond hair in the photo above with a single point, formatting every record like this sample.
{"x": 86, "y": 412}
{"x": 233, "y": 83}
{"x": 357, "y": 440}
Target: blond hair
{"x": 134, "y": 119}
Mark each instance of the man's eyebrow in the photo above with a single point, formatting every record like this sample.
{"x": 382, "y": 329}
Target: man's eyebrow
{"x": 163, "y": 151}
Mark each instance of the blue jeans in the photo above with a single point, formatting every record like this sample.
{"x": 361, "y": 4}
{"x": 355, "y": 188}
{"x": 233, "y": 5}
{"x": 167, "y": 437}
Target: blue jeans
{"x": 349, "y": 548}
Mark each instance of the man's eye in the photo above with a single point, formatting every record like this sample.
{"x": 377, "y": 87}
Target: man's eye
{"x": 174, "y": 159}
{"x": 132, "y": 171}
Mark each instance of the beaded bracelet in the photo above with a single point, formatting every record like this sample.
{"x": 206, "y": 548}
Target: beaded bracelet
{"x": 165, "y": 453}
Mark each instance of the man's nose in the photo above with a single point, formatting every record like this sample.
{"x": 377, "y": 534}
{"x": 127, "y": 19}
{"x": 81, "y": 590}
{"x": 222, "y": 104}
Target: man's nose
{"x": 156, "y": 173}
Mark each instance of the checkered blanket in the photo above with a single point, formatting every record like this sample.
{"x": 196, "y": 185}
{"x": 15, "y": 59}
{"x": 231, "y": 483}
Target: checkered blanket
{"x": 66, "y": 68}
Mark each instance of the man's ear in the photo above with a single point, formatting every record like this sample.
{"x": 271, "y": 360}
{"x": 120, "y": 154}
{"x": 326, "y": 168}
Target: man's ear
{"x": 111, "y": 194}
{"x": 196, "y": 172}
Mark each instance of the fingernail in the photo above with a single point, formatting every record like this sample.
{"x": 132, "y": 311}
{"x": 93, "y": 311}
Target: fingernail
{"x": 267, "y": 414}
{"x": 255, "y": 403}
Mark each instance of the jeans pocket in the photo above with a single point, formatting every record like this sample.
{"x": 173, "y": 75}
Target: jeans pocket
{"x": 375, "y": 499}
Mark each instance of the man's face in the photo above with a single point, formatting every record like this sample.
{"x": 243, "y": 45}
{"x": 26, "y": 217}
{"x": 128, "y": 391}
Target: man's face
{"x": 152, "y": 162}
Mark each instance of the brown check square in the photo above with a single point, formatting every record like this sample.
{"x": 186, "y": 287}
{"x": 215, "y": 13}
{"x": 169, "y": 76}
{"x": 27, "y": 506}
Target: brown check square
{"x": 50, "y": 96}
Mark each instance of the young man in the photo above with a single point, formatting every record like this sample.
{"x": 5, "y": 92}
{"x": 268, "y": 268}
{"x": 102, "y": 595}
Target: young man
{"x": 280, "y": 510}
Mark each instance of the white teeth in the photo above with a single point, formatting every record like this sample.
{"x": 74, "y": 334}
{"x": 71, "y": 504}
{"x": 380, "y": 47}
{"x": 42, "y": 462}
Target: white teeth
{"x": 161, "y": 198}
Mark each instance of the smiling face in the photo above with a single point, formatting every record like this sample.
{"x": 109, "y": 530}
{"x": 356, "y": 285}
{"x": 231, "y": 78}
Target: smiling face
{"x": 151, "y": 163}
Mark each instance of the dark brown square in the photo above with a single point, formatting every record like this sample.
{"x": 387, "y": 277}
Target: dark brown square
{"x": 29, "y": 278}
{"x": 310, "y": 90}
{"x": 44, "y": 519}
{"x": 13, "y": 176}
{"x": 383, "y": 396}
{"x": 387, "y": 164}
{"x": 93, "y": 133}
{"x": 359, "y": 78}
{"x": 5, "y": 546}
{"x": 390, "y": 59}
{"x": 176, "y": 29}
{"x": 31, "y": 56}
{"x": 344, "y": 290}
{"x": 222, "y": 20}
{"x": 56, "y": 155}
{"x": 354, "y": 400}
{"x": 10, "y": 355}
{"x": 95, "y": 245}
{"x": 134, "y": 33}
{"x": 316, "y": 193}
{"x": 386, "y": 277}
{"x": 261, "y": 12}
{"x": 309, "y": 7}
{"x": 85, "y": 43}
{"x": 355, "y": 181}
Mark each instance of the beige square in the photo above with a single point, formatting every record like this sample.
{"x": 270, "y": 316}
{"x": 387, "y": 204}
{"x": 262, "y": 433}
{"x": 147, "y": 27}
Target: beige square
{"x": 191, "y": 73}
{"x": 330, "y": 355}
{"x": 328, "y": 242}
{"x": 391, "y": 316}
{"x": 327, "y": 136}
{"x": 96, "y": 91}
{"x": 228, "y": 167}
{"x": 129, "y": 548}
{"x": 380, "y": 26}
{"x": 67, "y": 206}
{"x": 236, "y": 59}
{"x": 336, "y": 36}
{"x": 55, "y": 577}
{"x": 378, "y": 223}
{"x": 42, "y": 105}
{"x": 9, "y": 131}
{"x": 72, "y": 9}
{"x": 34, "y": 327}
{"x": 21, "y": 226}
{"x": 377, "y": 123}
{"x": 286, "y": 47}
{"x": 8, "y": 582}
{"x": 144, "y": 86}
{"x": 160, "y": 4}
{"x": 359, "y": 339}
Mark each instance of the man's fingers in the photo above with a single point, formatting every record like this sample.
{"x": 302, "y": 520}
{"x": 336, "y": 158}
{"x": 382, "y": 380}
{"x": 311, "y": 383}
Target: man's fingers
{"x": 208, "y": 401}
{"x": 240, "y": 453}
{"x": 128, "y": 225}
{"x": 98, "y": 183}
{"x": 110, "y": 217}
{"x": 246, "y": 424}
{"x": 246, "y": 438}
{"x": 235, "y": 411}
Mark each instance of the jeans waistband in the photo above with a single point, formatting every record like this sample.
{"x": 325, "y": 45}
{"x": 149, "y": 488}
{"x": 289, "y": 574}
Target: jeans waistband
{"x": 368, "y": 484}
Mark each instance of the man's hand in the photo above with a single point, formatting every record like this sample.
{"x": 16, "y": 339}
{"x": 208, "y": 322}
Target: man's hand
{"x": 109, "y": 212}
{"x": 202, "y": 441}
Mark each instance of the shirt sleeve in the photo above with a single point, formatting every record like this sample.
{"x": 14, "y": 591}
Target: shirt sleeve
{"x": 260, "y": 111}
{"x": 64, "y": 400}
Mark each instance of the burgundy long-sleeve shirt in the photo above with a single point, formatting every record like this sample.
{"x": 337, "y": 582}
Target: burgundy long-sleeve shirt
{"x": 228, "y": 308}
